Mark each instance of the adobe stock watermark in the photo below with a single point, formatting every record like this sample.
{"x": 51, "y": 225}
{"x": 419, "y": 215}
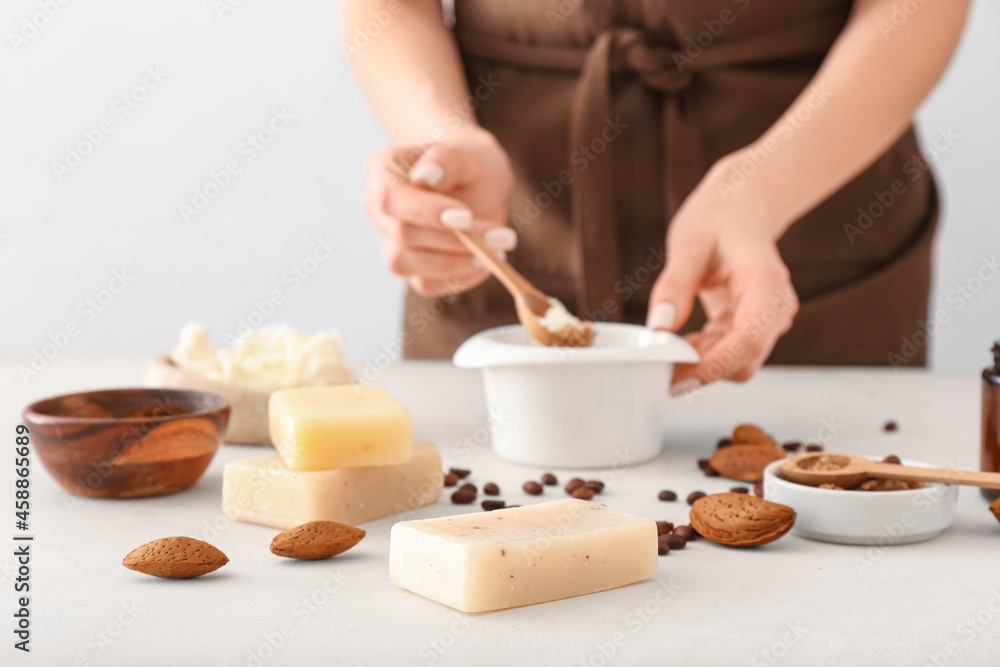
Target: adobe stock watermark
{"x": 899, "y": 15}
{"x": 224, "y": 8}
{"x": 120, "y": 109}
{"x": 305, "y": 608}
{"x": 87, "y": 311}
{"x": 791, "y": 634}
{"x": 248, "y": 150}
{"x": 292, "y": 279}
{"x": 580, "y": 159}
{"x": 970, "y": 628}
{"x": 99, "y": 642}
{"x": 364, "y": 35}
{"x": 913, "y": 169}
{"x": 957, "y": 298}
{"x": 434, "y": 648}
{"x": 632, "y": 623}
{"x": 694, "y": 45}
{"x": 757, "y": 154}
{"x": 451, "y": 119}
{"x": 899, "y": 531}
{"x": 32, "y": 25}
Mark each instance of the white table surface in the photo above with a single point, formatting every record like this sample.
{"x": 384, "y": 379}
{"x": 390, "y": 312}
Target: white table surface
{"x": 793, "y": 602}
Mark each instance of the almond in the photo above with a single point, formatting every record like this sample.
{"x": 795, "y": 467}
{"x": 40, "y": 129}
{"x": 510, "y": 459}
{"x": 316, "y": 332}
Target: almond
{"x": 175, "y": 558}
{"x": 746, "y": 462}
{"x": 747, "y": 433}
{"x": 995, "y": 508}
{"x": 316, "y": 540}
{"x": 741, "y": 520}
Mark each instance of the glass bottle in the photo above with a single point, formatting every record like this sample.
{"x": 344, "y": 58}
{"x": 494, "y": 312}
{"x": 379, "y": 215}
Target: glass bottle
{"x": 990, "y": 457}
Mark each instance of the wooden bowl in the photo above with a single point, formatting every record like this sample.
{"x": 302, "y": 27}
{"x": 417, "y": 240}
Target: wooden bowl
{"x": 248, "y": 421}
{"x": 127, "y": 443}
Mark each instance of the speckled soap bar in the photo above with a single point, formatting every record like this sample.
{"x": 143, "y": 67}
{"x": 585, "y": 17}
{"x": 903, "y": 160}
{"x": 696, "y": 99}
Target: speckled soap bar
{"x": 523, "y": 555}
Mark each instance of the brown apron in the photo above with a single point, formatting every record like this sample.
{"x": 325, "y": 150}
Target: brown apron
{"x": 612, "y": 111}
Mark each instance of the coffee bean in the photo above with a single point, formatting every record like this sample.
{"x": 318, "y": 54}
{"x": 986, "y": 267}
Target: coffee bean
{"x": 792, "y": 446}
{"x": 583, "y": 492}
{"x": 667, "y": 496}
{"x": 814, "y": 447}
{"x": 463, "y": 497}
{"x": 548, "y": 479}
{"x": 684, "y": 532}
{"x": 739, "y": 489}
{"x": 533, "y": 487}
{"x": 596, "y": 485}
{"x": 469, "y": 487}
{"x": 890, "y": 426}
{"x": 892, "y": 458}
{"x": 706, "y": 467}
{"x": 758, "y": 490}
{"x": 695, "y": 495}
{"x": 491, "y": 489}
{"x": 450, "y": 480}
{"x": 662, "y": 547}
{"x": 574, "y": 484}
{"x": 461, "y": 474}
{"x": 724, "y": 442}
{"x": 676, "y": 541}
{"x": 490, "y": 505}
{"x": 663, "y": 527}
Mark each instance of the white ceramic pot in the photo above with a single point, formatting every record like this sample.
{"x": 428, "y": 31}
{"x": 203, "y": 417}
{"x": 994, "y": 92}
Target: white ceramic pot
{"x": 590, "y": 407}
{"x": 873, "y": 518}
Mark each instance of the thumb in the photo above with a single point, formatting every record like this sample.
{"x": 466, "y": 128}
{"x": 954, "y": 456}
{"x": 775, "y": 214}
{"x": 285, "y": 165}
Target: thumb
{"x": 673, "y": 295}
{"x": 443, "y": 167}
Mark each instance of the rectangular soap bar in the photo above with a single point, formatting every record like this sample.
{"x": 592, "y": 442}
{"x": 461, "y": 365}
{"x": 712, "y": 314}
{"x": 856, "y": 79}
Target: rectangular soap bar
{"x": 264, "y": 491}
{"x": 322, "y": 428}
{"x": 523, "y": 555}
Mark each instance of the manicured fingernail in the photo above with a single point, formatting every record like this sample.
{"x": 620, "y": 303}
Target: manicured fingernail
{"x": 662, "y": 316}
{"x": 429, "y": 173}
{"x": 502, "y": 254}
{"x": 456, "y": 218}
{"x": 501, "y": 238}
{"x": 684, "y": 387}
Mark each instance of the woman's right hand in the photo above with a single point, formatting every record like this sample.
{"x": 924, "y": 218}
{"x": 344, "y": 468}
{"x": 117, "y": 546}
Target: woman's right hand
{"x": 461, "y": 182}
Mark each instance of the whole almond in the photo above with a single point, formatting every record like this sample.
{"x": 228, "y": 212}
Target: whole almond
{"x": 995, "y": 508}
{"x": 741, "y": 520}
{"x": 747, "y": 433}
{"x": 316, "y": 540}
{"x": 175, "y": 558}
{"x": 746, "y": 462}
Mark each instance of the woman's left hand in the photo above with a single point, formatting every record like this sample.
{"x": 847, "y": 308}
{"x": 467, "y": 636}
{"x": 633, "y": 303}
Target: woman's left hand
{"x": 723, "y": 250}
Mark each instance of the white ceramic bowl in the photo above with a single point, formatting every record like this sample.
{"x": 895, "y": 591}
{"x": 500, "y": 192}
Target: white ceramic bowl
{"x": 590, "y": 407}
{"x": 873, "y": 518}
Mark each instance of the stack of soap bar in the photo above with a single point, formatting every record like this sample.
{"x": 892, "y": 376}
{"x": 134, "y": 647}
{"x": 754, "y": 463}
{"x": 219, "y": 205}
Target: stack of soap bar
{"x": 265, "y": 491}
{"x": 524, "y": 555}
{"x": 326, "y": 428}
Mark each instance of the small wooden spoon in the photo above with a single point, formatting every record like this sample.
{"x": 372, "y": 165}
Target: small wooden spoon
{"x": 530, "y": 302}
{"x": 853, "y": 470}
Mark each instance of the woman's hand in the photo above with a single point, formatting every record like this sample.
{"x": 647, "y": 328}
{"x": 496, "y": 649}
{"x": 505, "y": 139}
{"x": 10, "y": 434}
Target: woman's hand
{"x": 461, "y": 182}
{"x": 723, "y": 252}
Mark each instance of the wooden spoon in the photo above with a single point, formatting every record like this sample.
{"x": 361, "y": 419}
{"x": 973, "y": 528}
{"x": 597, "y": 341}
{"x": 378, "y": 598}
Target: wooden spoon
{"x": 530, "y": 302}
{"x": 853, "y": 470}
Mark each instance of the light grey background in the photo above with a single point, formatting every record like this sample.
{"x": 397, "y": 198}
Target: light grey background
{"x": 227, "y": 66}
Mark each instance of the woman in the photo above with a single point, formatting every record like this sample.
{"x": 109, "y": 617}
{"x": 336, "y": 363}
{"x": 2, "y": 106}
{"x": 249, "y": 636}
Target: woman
{"x": 632, "y": 155}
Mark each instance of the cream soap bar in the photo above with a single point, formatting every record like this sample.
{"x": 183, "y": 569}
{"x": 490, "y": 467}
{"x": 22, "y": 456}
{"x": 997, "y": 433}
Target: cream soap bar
{"x": 524, "y": 555}
{"x": 264, "y": 491}
{"x": 322, "y": 428}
